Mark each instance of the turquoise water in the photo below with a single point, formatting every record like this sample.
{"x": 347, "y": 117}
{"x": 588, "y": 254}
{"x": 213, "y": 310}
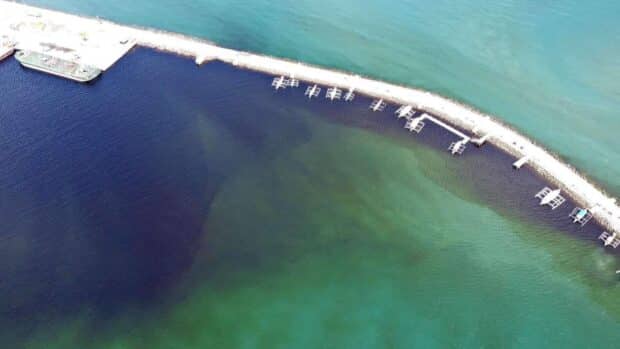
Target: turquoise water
{"x": 550, "y": 68}
{"x": 318, "y": 226}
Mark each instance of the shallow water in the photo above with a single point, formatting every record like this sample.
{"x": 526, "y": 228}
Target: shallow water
{"x": 172, "y": 206}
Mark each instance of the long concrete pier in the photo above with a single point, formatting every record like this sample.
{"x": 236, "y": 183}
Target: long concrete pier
{"x": 576, "y": 185}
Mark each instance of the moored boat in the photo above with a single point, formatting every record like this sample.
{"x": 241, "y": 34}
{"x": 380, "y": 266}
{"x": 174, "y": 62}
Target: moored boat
{"x": 56, "y": 66}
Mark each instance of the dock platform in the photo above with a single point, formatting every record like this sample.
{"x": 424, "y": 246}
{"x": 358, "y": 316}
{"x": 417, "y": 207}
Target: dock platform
{"x": 480, "y": 141}
{"x": 519, "y": 163}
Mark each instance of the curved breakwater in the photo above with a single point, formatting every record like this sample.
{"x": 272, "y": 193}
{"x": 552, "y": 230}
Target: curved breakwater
{"x": 582, "y": 190}
{"x": 548, "y": 165}
{"x": 576, "y": 185}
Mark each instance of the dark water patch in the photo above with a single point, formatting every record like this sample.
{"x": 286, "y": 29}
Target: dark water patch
{"x": 105, "y": 187}
{"x": 92, "y": 191}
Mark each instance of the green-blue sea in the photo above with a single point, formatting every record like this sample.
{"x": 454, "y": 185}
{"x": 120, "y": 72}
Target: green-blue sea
{"x": 270, "y": 223}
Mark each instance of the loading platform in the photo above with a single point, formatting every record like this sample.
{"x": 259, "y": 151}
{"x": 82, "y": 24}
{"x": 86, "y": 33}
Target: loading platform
{"x": 519, "y": 163}
{"x": 202, "y": 58}
{"x": 480, "y": 141}
{"x": 581, "y": 215}
{"x": 551, "y": 198}
{"x": 612, "y": 240}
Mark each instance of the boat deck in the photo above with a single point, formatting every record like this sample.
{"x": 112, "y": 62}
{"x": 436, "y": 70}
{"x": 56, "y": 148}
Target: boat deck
{"x": 56, "y": 66}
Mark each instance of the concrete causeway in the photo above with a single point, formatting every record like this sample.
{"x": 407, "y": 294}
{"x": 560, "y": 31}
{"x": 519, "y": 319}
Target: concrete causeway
{"x": 101, "y": 43}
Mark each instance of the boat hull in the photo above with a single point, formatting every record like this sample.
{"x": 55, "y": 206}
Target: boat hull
{"x": 56, "y": 66}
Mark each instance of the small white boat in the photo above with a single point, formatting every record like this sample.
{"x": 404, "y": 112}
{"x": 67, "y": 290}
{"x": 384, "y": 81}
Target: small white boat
{"x": 549, "y": 197}
{"x": 610, "y": 239}
{"x": 580, "y": 215}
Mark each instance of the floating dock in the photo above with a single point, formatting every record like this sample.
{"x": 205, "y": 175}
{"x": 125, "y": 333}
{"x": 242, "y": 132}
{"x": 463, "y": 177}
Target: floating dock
{"x": 519, "y": 163}
{"x": 108, "y": 41}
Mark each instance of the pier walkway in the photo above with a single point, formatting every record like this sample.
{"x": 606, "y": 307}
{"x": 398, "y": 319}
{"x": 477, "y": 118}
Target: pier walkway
{"x": 417, "y": 124}
{"x": 420, "y": 119}
{"x": 555, "y": 171}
